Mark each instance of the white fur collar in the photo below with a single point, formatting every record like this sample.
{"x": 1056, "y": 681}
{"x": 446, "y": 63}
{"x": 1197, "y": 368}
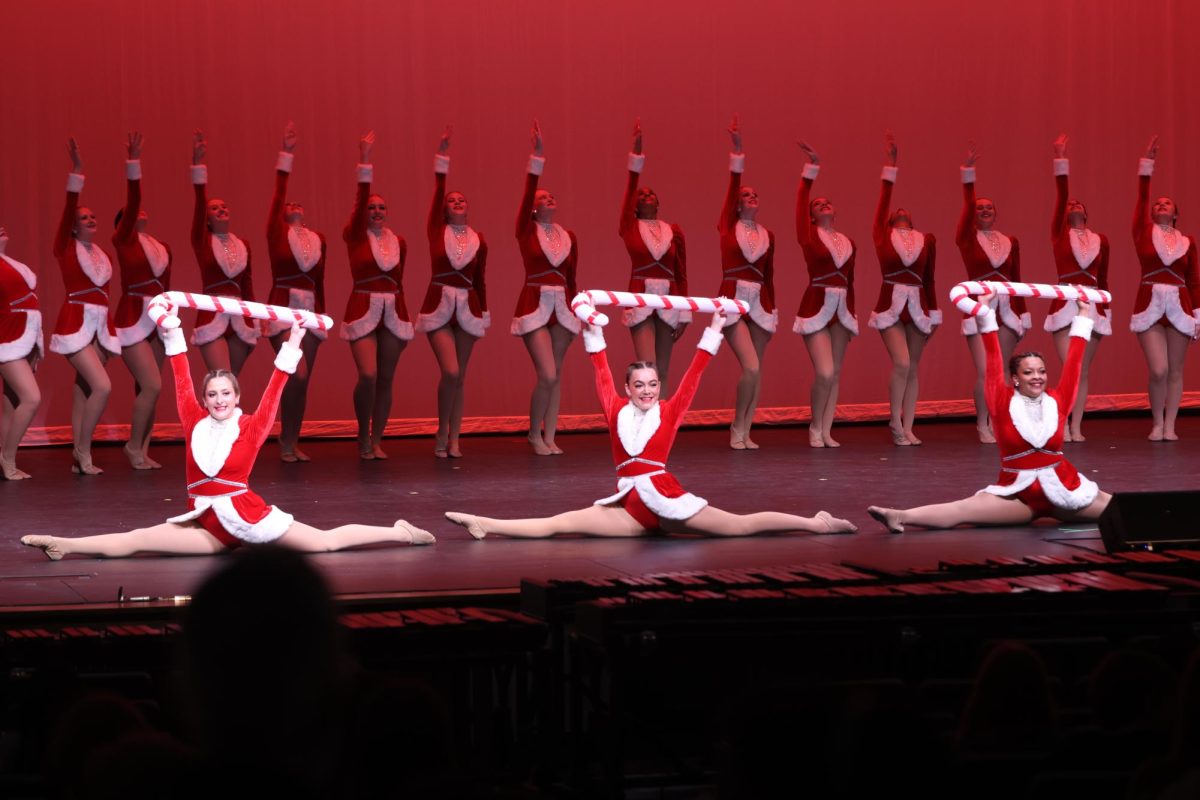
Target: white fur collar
{"x": 1000, "y": 253}
{"x": 470, "y": 246}
{"x": 1169, "y": 255}
{"x": 212, "y": 441}
{"x": 94, "y": 263}
{"x": 385, "y": 246}
{"x": 753, "y": 247}
{"x": 556, "y": 246}
{"x": 231, "y": 254}
{"x": 25, "y": 272}
{"x": 156, "y": 254}
{"x": 657, "y": 247}
{"x": 306, "y": 246}
{"x": 909, "y": 250}
{"x": 1032, "y": 431}
{"x": 1085, "y": 247}
{"x": 839, "y": 246}
{"x": 635, "y": 427}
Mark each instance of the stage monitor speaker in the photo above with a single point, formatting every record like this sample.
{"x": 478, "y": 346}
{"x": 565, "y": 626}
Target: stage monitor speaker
{"x": 1151, "y": 521}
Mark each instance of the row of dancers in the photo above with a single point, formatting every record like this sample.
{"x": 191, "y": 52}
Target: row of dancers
{"x": 454, "y": 312}
{"x": 222, "y": 443}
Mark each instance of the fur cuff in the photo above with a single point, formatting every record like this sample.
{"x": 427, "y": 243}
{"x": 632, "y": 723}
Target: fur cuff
{"x": 537, "y": 165}
{"x": 285, "y": 161}
{"x": 74, "y": 183}
{"x": 199, "y": 174}
{"x": 1145, "y": 167}
{"x": 636, "y": 162}
{"x": 593, "y": 339}
{"x": 366, "y": 173}
{"x": 1082, "y": 327}
{"x": 987, "y": 322}
{"x": 710, "y": 341}
{"x": 174, "y": 342}
{"x": 889, "y": 174}
{"x": 967, "y": 174}
{"x": 737, "y": 162}
{"x": 133, "y": 170}
{"x": 811, "y": 171}
{"x": 441, "y": 164}
{"x": 288, "y": 358}
{"x": 1062, "y": 166}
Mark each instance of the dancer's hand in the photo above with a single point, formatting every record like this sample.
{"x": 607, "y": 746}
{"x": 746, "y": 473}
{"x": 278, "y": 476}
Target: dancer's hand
{"x": 1060, "y": 146}
{"x": 444, "y": 142}
{"x": 133, "y": 146}
{"x": 73, "y": 152}
{"x": 719, "y": 318}
{"x": 290, "y": 137}
{"x": 1152, "y": 148}
{"x": 735, "y": 135}
{"x": 890, "y": 151}
{"x": 972, "y": 154}
{"x": 365, "y": 143}
{"x": 199, "y": 147}
{"x": 1082, "y": 304}
{"x": 637, "y": 137}
{"x": 536, "y": 134}
{"x": 813, "y": 158}
{"x": 296, "y": 335}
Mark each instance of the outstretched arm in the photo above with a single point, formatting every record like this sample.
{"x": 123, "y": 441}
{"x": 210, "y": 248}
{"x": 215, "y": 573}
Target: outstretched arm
{"x": 996, "y": 389}
{"x": 62, "y": 236}
{"x": 127, "y": 229}
{"x": 1068, "y": 382}
{"x": 186, "y": 403}
{"x": 200, "y": 187}
{"x": 710, "y": 343}
{"x": 537, "y": 163}
{"x": 441, "y": 166}
{"x": 285, "y": 364}
{"x": 879, "y": 230}
{"x": 1141, "y": 209}
{"x": 357, "y": 227}
{"x": 804, "y": 225}
{"x": 594, "y": 344}
{"x": 1058, "y": 222}
{"x": 737, "y": 164}
{"x": 637, "y": 160}
{"x": 276, "y": 221}
{"x": 966, "y": 220}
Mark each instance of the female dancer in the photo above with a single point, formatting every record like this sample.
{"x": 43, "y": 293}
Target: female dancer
{"x": 1167, "y": 309}
{"x": 225, "y": 342}
{"x": 988, "y": 255}
{"x": 297, "y": 256}
{"x": 649, "y": 498}
{"x": 542, "y": 318}
{"x": 377, "y": 324}
{"x": 747, "y": 273}
{"x": 1081, "y": 256}
{"x": 659, "y": 258}
{"x": 1035, "y": 480}
{"x": 145, "y": 271}
{"x": 906, "y": 312}
{"x": 454, "y": 314}
{"x": 84, "y": 332}
{"x": 222, "y": 444}
{"x": 20, "y": 351}
{"x": 826, "y": 316}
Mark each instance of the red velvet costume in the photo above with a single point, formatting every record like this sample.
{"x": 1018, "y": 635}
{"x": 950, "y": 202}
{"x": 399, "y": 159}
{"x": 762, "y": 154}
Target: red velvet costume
{"x": 1000, "y": 261}
{"x": 658, "y": 253}
{"x": 377, "y": 267}
{"x": 457, "y": 294}
{"x": 1080, "y": 256}
{"x": 1169, "y": 293}
{"x": 224, "y": 271}
{"x": 549, "y": 271}
{"x": 20, "y": 319}
{"x": 145, "y": 265}
{"x": 830, "y": 259}
{"x": 747, "y": 256}
{"x": 297, "y": 257}
{"x": 642, "y": 440}
{"x": 86, "y": 272}
{"x": 906, "y": 258}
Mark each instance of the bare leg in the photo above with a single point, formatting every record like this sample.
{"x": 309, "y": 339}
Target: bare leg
{"x": 215, "y": 354}
{"x": 896, "y": 342}
{"x": 295, "y": 398}
{"x": 1089, "y": 514}
{"x": 92, "y": 388}
{"x": 308, "y": 539}
{"x": 541, "y": 352}
{"x": 978, "y": 509}
{"x": 464, "y": 345}
{"x": 820, "y": 351}
{"x": 715, "y": 522}
{"x": 21, "y": 400}
{"x": 560, "y": 340}
{"x": 609, "y": 521}
{"x": 167, "y": 538}
{"x": 363, "y": 350}
{"x": 1177, "y": 345}
{"x": 147, "y": 380}
{"x": 760, "y": 337}
{"x": 738, "y": 336}
{"x": 389, "y": 347}
{"x": 916, "y": 346}
{"x": 1154, "y": 347}
{"x": 452, "y": 347}
{"x": 839, "y": 338}
{"x": 239, "y": 351}
{"x": 979, "y": 357}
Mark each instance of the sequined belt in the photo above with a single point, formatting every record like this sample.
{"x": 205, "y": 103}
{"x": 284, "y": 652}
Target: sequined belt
{"x": 237, "y": 487}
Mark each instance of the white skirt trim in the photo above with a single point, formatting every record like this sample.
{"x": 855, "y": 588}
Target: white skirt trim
{"x": 835, "y": 304}
{"x": 1164, "y": 302}
{"x": 1070, "y": 499}
{"x": 454, "y": 304}
{"x": 683, "y": 507}
{"x": 305, "y": 299}
{"x": 750, "y": 293}
{"x": 906, "y": 295}
{"x": 1064, "y": 316}
{"x": 1004, "y": 315}
{"x": 552, "y": 301}
{"x": 672, "y": 316}
{"x": 220, "y": 325}
{"x": 94, "y": 327}
{"x": 382, "y": 309}
{"x": 138, "y": 331}
{"x": 267, "y": 529}
{"x": 25, "y": 344}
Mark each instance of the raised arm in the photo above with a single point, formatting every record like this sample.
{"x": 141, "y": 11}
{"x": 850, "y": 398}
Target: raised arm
{"x": 879, "y": 230}
{"x": 186, "y": 402}
{"x": 200, "y": 188}
{"x": 685, "y": 392}
{"x": 537, "y": 163}
{"x": 1058, "y": 222}
{"x": 966, "y": 220}
{"x": 276, "y": 220}
{"x": 1141, "y": 209}
{"x": 441, "y": 166}
{"x": 357, "y": 227}
{"x": 996, "y": 390}
{"x": 127, "y": 229}
{"x": 636, "y": 161}
{"x": 62, "y": 236}
{"x": 594, "y": 344}
{"x": 737, "y": 164}
{"x": 1068, "y": 381}
{"x": 286, "y": 360}
{"x": 804, "y": 226}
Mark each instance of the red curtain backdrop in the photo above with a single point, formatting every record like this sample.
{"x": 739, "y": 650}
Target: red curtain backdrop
{"x": 1010, "y": 75}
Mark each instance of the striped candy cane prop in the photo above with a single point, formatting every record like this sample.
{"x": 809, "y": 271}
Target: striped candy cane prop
{"x": 961, "y": 294}
{"x": 584, "y": 304}
{"x": 164, "y": 310}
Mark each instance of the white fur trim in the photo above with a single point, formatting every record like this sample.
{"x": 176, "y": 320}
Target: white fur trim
{"x": 1002, "y": 310}
{"x": 810, "y": 171}
{"x": 385, "y": 240}
{"x": 636, "y": 427}
{"x": 470, "y": 249}
{"x": 133, "y": 170}
{"x": 890, "y": 173}
{"x": 1167, "y": 256}
{"x": 683, "y": 507}
{"x": 220, "y": 325}
{"x": 174, "y": 342}
{"x": 305, "y": 299}
{"x": 75, "y": 183}
{"x": 737, "y": 162}
{"x": 967, "y": 174}
{"x": 441, "y": 164}
{"x": 593, "y": 339}
{"x": 365, "y": 173}
{"x": 710, "y": 341}
{"x": 984, "y": 323}
{"x": 672, "y": 316}
{"x": 831, "y": 239}
{"x": 454, "y": 305}
{"x": 657, "y": 247}
{"x": 27, "y": 342}
{"x": 1070, "y": 499}
{"x": 636, "y": 162}
{"x": 552, "y": 301}
{"x": 1082, "y": 326}
{"x": 1164, "y": 302}
{"x": 1062, "y": 166}
{"x": 1085, "y": 252}
{"x": 910, "y": 296}
{"x": 156, "y": 254}
{"x": 834, "y": 305}
{"x": 212, "y": 441}
{"x": 230, "y": 253}
{"x": 1145, "y": 167}
{"x": 994, "y": 257}
{"x": 561, "y": 235}
{"x": 754, "y": 249}
{"x": 139, "y": 330}
{"x": 285, "y": 161}
{"x": 536, "y": 166}
{"x": 24, "y": 271}
{"x": 1031, "y": 430}
{"x": 305, "y": 245}
{"x": 288, "y": 358}
{"x": 274, "y": 525}
{"x": 898, "y": 244}
{"x": 750, "y": 293}
{"x": 381, "y": 310}
{"x": 94, "y": 327}
{"x": 94, "y": 262}
{"x": 1066, "y": 315}
{"x": 199, "y": 174}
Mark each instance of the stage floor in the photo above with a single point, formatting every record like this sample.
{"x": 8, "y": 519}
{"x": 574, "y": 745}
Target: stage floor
{"x": 500, "y": 477}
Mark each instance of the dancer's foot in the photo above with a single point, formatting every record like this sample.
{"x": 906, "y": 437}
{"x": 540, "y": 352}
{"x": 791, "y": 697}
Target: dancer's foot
{"x": 377, "y": 452}
{"x": 364, "y": 449}
{"x": 137, "y": 459}
{"x": 554, "y": 449}
{"x": 1169, "y": 435}
{"x": 300, "y": 455}
{"x": 888, "y": 518}
{"x": 815, "y": 439}
{"x": 737, "y": 439}
{"x": 829, "y": 441}
{"x": 899, "y": 437}
{"x": 150, "y": 461}
{"x": 471, "y": 523}
{"x": 48, "y": 544}
{"x": 912, "y": 438}
{"x": 439, "y": 448}
{"x": 81, "y": 464}
{"x": 750, "y": 443}
{"x": 985, "y": 434}
{"x": 1077, "y": 436}
{"x": 10, "y": 472}
{"x": 1067, "y": 436}
{"x": 836, "y": 524}
{"x": 539, "y": 446}
{"x": 417, "y": 536}
{"x": 1156, "y": 434}
{"x": 453, "y": 450}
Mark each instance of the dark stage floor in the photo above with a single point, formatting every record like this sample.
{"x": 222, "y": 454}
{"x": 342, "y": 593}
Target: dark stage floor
{"x": 501, "y": 478}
